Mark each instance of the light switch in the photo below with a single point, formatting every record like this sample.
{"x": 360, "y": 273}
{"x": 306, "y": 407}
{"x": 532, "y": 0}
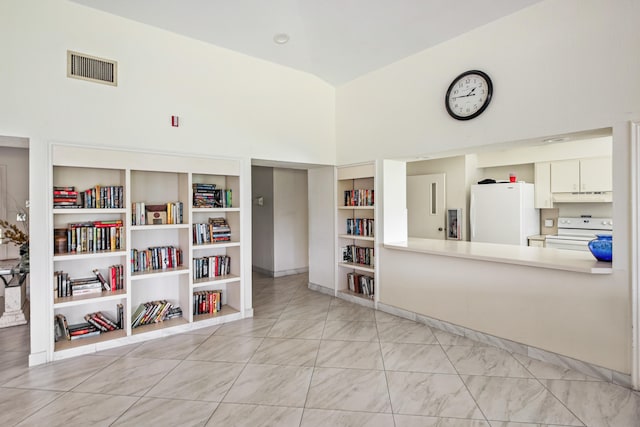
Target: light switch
{"x": 548, "y": 223}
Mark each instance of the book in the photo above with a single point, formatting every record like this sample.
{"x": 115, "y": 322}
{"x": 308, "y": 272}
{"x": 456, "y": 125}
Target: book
{"x": 95, "y": 323}
{"x": 87, "y": 334}
{"x": 63, "y": 326}
{"x": 100, "y": 277}
{"x": 120, "y": 315}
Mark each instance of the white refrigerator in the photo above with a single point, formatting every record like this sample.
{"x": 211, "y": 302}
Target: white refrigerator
{"x": 503, "y": 213}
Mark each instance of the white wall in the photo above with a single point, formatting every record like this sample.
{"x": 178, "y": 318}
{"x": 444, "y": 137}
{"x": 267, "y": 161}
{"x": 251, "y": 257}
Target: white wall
{"x": 229, "y": 105}
{"x": 322, "y": 208}
{"x": 262, "y": 218}
{"x": 291, "y": 222}
{"x": 577, "y": 60}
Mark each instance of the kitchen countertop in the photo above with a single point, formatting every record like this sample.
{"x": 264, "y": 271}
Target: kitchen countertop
{"x": 541, "y": 237}
{"x": 558, "y": 259}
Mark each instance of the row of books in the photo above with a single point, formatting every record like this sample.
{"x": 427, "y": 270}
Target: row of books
{"x": 94, "y": 236}
{"x": 98, "y": 197}
{"x": 360, "y": 197}
{"x": 95, "y": 324}
{"x": 156, "y": 258}
{"x": 361, "y": 284}
{"x": 211, "y": 266}
{"x": 360, "y": 226}
{"x": 207, "y": 302}
{"x": 157, "y": 214}
{"x": 216, "y": 230}
{"x": 66, "y": 286}
{"x": 358, "y": 255}
{"x": 115, "y": 277}
{"x": 208, "y": 196}
{"x": 154, "y": 312}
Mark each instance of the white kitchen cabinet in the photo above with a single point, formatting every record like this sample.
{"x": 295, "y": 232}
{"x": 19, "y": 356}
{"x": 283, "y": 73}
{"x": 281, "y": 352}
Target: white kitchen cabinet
{"x": 565, "y": 176}
{"x": 582, "y": 175}
{"x": 595, "y": 174}
{"x": 542, "y": 178}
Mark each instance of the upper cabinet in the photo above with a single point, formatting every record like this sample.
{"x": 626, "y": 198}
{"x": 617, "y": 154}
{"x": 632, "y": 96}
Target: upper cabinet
{"x": 543, "y": 197}
{"x": 565, "y": 176}
{"x": 595, "y": 174}
{"x": 581, "y": 176}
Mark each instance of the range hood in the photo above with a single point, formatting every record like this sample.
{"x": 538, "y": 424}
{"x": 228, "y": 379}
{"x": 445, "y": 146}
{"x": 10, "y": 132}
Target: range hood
{"x": 598, "y": 197}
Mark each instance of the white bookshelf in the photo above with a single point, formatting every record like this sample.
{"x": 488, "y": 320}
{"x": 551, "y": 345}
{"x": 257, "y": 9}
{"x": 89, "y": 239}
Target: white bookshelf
{"x": 152, "y": 179}
{"x": 358, "y": 178}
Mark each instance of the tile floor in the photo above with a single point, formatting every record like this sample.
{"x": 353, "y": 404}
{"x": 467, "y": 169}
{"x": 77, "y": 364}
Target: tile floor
{"x": 305, "y": 359}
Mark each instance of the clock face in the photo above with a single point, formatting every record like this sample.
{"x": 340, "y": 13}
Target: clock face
{"x": 468, "y": 95}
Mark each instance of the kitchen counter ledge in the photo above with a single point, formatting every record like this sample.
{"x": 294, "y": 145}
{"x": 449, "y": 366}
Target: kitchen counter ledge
{"x": 576, "y": 261}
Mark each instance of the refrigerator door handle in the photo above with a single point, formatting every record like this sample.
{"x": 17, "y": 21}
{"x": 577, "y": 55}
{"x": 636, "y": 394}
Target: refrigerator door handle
{"x": 472, "y": 217}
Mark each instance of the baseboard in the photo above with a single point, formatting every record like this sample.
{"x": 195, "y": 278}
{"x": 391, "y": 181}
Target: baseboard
{"x": 321, "y": 289}
{"x": 280, "y": 273}
{"x": 38, "y": 358}
{"x": 291, "y": 272}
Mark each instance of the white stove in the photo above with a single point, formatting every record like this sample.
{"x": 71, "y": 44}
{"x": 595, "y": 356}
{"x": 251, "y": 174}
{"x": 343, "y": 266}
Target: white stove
{"x": 575, "y": 233}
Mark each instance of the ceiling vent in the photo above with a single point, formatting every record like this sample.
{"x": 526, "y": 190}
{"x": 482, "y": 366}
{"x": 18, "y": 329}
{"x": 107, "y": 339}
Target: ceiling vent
{"x": 90, "y": 68}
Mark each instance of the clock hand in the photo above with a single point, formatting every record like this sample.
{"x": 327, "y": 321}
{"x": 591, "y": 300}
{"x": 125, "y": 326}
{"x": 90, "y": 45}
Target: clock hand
{"x": 469, "y": 94}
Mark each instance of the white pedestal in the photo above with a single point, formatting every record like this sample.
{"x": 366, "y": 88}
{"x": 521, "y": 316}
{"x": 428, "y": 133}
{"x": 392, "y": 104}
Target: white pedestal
{"x": 14, "y": 304}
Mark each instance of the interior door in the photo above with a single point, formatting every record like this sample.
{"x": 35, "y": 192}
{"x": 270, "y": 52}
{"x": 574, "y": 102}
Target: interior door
{"x": 426, "y": 206}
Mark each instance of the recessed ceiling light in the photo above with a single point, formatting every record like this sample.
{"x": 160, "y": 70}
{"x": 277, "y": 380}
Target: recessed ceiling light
{"x": 550, "y": 140}
{"x": 281, "y": 38}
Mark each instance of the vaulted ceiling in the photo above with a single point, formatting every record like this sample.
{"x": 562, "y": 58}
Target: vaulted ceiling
{"x": 336, "y": 40}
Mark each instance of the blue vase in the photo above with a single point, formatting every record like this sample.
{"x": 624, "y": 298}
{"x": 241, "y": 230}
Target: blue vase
{"x": 600, "y": 247}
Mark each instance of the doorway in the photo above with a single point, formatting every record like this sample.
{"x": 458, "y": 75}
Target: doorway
{"x": 279, "y": 219}
{"x": 426, "y": 201}
{"x": 14, "y": 208}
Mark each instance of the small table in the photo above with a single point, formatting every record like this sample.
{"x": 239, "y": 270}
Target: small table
{"x": 14, "y": 276}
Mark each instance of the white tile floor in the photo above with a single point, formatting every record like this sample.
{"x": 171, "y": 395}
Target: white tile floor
{"x": 305, "y": 359}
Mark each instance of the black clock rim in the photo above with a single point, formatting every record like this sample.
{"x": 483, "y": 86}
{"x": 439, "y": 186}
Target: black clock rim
{"x": 486, "y": 104}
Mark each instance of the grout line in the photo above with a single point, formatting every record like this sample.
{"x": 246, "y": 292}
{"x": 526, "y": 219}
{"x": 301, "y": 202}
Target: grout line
{"x": 463, "y": 382}
{"x": 384, "y": 371}
{"x": 315, "y": 361}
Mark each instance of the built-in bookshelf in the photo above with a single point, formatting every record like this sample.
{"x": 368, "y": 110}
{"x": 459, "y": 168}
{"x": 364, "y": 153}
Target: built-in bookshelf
{"x": 125, "y": 247}
{"x": 356, "y": 233}
{"x": 215, "y": 238}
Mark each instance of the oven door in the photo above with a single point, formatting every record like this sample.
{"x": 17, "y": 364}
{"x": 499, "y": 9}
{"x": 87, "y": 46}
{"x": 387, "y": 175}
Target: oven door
{"x": 573, "y": 243}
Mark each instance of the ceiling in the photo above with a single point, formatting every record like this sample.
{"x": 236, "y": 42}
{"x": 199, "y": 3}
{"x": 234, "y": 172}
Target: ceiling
{"x": 335, "y": 40}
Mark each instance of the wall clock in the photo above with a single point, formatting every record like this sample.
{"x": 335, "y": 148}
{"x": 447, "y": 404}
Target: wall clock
{"x": 468, "y": 95}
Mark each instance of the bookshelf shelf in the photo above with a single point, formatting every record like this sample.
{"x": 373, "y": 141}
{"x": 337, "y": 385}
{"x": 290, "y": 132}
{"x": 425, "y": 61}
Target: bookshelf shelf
{"x": 355, "y": 217}
{"x": 89, "y": 298}
{"x": 105, "y": 336}
{"x": 356, "y": 208}
{"x": 355, "y": 237}
{"x": 359, "y": 267}
{"x": 125, "y": 181}
{"x": 88, "y": 255}
{"x": 229, "y": 278}
{"x": 160, "y": 325}
{"x": 214, "y": 210}
{"x": 216, "y": 245}
{"x": 225, "y": 311}
{"x": 158, "y": 227}
{"x": 141, "y": 275}
{"x": 355, "y": 294}
{"x": 85, "y": 211}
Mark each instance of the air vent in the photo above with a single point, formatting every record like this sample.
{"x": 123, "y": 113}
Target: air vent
{"x": 90, "y": 68}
